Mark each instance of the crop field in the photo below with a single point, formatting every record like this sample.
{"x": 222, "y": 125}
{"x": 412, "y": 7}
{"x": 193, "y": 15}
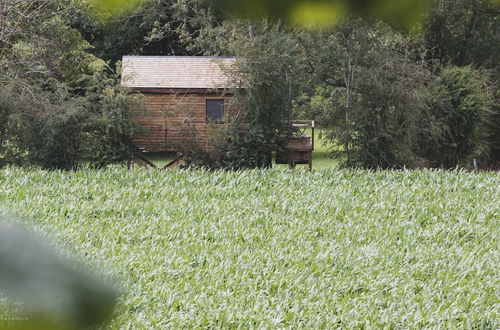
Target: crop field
{"x": 277, "y": 248}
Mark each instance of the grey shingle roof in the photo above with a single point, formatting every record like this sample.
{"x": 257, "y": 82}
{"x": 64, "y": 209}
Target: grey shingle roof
{"x": 175, "y": 71}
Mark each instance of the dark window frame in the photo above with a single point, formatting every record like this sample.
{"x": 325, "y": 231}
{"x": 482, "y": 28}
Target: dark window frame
{"x": 215, "y": 121}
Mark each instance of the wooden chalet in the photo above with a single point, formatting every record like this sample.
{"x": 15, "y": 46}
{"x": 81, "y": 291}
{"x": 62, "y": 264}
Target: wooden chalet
{"x": 184, "y": 98}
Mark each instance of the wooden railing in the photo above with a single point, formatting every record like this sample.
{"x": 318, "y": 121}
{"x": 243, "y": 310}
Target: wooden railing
{"x": 300, "y": 145}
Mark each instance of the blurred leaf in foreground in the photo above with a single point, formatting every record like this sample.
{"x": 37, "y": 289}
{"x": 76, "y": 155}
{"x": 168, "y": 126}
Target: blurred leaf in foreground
{"x": 403, "y": 14}
{"x": 316, "y": 14}
{"x": 51, "y": 292}
{"x": 105, "y": 9}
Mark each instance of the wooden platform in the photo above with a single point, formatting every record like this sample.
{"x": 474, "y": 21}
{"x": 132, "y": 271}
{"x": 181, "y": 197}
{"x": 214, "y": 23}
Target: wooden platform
{"x": 300, "y": 146}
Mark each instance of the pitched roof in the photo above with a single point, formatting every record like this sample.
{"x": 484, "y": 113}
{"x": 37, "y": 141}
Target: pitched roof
{"x": 175, "y": 71}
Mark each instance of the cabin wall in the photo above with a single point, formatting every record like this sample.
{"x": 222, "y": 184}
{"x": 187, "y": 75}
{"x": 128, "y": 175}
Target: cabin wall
{"x": 176, "y": 121}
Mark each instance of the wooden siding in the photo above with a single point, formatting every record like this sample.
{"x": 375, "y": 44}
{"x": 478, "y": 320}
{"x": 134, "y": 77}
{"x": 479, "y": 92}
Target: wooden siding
{"x": 177, "y": 121}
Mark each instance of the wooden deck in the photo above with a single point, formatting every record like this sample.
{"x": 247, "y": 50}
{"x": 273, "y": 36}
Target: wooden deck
{"x": 300, "y": 145}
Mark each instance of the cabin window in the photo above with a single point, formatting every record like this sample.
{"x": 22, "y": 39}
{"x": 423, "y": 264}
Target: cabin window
{"x": 215, "y": 110}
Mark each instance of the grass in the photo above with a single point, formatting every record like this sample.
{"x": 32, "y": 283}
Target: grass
{"x": 278, "y": 248}
{"x": 160, "y": 159}
{"x": 321, "y": 155}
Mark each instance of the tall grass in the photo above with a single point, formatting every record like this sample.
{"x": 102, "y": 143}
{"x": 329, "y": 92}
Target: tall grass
{"x": 278, "y": 248}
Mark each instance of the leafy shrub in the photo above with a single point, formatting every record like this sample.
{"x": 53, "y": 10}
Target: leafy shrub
{"x": 462, "y": 107}
{"x": 6, "y": 109}
{"x": 396, "y": 113}
{"x": 107, "y": 128}
{"x": 270, "y": 70}
{"x": 390, "y": 113}
{"x": 494, "y": 129}
{"x": 54, "y": 126}
{"x": 378, "y": 119}
{"x": 42, "y": 127}
{"x": 234, "y": 147}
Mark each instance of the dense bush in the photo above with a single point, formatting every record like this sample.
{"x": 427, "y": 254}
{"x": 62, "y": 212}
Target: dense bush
{"x": 107, "y": 127}
{"x": 373, "y": 99}
{"x": 403, "y": 116}
{"x": 389, "y": 114}
{"x": 385, "y": 105}
{"x": 59, "y": 104}
{"x": 10, "y": 151}
{"x": 462, "y": 107}
{"x": 494, "y": 129}
{"x": 271, "y": 71}
{"x": 237, "y": 146}
{"x": 52, "y": 127}
{"x": 41, "y": 126}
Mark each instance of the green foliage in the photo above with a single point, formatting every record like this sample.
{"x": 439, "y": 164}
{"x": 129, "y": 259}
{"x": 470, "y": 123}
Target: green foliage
{"x": 277, "y": 249}
{"x": 50, "y": 50}
{"x": 494, "y": 128}
{"x": 384, "y": 107}
{"x": 107, "y": 126}
{"x": 54, "y": 128}
{"x": 464, "y": 32}
{"x": 268, "y": 74}
{"x": 366, "y": 83}
{"x": 59, "y": 104}
{"x": 43, "y": 123}
{"x": 390, "y": 115}
{"x": 162, "y": 27}
{"x": 373, "y": 97}
{"x": 6, "y": 109}
{"x": 462, "y": 106}
{"x": 10, "y": 151}
{"x": 238, "y": 146}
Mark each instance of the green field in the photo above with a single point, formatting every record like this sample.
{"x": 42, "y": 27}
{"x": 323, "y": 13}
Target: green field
{"x": 278, "y": 248}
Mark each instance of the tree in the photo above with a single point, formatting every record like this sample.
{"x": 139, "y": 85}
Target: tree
{"x": 379, "y": 97}
{"x": 373, "y": 97}
{"x": 464, "y": 32}
{"x": 59, "y": 103}
{"x": 164, "y": 27}
{"x": 462, "y": 106}
{"x": 272, "y": 71}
